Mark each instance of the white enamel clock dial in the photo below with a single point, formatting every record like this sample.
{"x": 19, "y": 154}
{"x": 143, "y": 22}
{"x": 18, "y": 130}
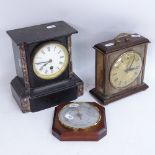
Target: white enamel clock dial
{"x": 50, "y": 60}
{"x": 79, "y": 115}
{"x": 126, "y": 69}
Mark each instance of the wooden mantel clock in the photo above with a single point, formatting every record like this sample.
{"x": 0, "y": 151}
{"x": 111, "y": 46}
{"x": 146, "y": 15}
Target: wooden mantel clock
{"x": 43, "y": 62}
{"x": 79, "y": 121}
{"x": 120, "y": 65}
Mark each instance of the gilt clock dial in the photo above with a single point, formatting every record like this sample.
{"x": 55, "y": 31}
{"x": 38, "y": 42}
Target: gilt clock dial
{"x": 126, "y": 69}
{"x": 79, "y": 115}
{"x": 50, "y": 60}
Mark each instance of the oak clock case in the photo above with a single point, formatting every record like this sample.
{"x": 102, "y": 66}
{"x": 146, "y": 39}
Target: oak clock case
{"x": 120, "y": 65}
{"x": 43, "y": 63}
{"x": 81, "y": 121}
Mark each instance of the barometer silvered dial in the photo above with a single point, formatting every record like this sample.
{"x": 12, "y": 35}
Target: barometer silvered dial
{"x": 79, "y": 115}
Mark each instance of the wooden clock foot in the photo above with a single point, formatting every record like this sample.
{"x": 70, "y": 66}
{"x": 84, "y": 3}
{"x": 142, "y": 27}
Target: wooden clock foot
{"x": 108, "y": 99}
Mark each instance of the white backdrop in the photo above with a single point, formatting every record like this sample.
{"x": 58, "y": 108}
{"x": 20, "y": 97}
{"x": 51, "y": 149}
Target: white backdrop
{"x": 130, "y": 121}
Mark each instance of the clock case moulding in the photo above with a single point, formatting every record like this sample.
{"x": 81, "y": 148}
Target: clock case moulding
{"x": 106, "y": 56}
{"x": 30, "y": 92}
{"x": 94, "y": 133}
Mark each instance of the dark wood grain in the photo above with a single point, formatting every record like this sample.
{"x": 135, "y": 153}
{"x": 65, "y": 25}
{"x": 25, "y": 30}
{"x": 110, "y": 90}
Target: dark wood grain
{"x": 109, "y": 99}
{"x": 123, "y": 44}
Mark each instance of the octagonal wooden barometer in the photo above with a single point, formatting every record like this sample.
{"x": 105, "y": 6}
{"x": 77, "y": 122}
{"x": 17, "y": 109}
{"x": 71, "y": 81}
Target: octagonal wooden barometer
{"x": 79, "y": 121}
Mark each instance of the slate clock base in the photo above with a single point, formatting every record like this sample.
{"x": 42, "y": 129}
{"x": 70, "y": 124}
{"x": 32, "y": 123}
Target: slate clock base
{"x": 106, "y": 100}
{"x": 47, "y": 96}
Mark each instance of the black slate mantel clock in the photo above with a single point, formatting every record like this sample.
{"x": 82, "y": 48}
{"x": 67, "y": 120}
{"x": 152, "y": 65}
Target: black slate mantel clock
{"x": 43, "y": 63}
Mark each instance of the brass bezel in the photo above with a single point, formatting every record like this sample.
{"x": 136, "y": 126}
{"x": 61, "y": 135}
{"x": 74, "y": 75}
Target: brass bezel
{"x": 73, "y": 128}
{"x": 55, "y": 75}
{"x": 129, "y": 51}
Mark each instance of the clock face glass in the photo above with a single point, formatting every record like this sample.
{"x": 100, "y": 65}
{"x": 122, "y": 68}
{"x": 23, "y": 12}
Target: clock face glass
{"x": 79, "y": 115}
{"x": 126, "y": 69}
{"x": 50, "y": 60}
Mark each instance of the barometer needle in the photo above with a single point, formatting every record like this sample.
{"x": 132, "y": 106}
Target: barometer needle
{"x": 79, "y": 114}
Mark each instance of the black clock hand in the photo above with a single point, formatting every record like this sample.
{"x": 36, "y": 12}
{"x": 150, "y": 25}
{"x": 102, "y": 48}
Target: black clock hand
{"x": 41, "y": 68}
{"x": 130, "y": 69}
{"x": 41, "y": 62}
{"x": 132, "y": 62}
{"x": 45, "y": 64}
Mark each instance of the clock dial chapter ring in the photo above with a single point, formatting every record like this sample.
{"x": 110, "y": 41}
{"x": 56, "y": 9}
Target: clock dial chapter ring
{"x": 50, "y": 60}
{"x": 125, "y": 69}
{"x": 75, "y": 116}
